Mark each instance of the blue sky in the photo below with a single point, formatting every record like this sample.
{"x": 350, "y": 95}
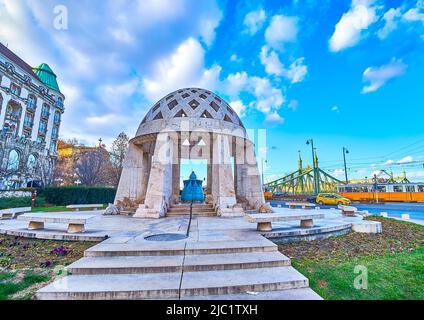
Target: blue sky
{"x": 343, "y": 72}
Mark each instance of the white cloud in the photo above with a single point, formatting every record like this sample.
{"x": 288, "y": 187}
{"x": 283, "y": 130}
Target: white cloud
{"x": 253, "y": 21}
{"x": 207, "y": 28}
{"x": 406, "y": 159}
{"x": 335, "y": 109}
{"x": 184, "y": 68}
{"x": 349, "y": 30}
{"x": 394, "y": 17}
{"x": 282, "y": 29}
{"x": 238, "y": 107}
{"x": 297, "y": 71}
{"x": 389, "y": 162}
{"x": 268, "y": 97}
{"x": 378, "y": 76}
{"x": 391, "y": 18}
{"x": 413, "y": 15}
{"x": 273, "y": 119}
{"x": 270, "y": 59}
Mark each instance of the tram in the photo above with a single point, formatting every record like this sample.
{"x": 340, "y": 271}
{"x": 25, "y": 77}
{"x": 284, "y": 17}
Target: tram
{"x": 384, "y": 192}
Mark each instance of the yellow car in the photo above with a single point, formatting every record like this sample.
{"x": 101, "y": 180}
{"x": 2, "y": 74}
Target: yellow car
{"x": 331, "y": 198}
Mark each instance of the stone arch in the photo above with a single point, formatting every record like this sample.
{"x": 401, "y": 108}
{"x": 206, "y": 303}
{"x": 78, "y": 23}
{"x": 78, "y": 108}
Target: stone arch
{"x": 12, "y": 118}
{"x": 32, "y": 161}
{"x": 13, "y": 160}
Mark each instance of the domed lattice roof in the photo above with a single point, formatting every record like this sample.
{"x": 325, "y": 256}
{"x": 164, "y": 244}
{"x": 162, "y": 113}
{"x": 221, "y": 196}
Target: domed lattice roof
{"x": 192, "y": 104}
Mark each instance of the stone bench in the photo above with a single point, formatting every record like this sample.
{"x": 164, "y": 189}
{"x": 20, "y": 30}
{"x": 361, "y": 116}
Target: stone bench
{"x": 76, "y": 207}
{"x": 76, "y": 221}
{"x": 348, "y": 210}
{"x": 303, "y": 205}
{"x": 264, "y": 220}
{"x": 13, "y": 212}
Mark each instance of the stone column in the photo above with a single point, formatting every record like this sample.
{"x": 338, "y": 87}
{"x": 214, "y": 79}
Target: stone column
{"x": 159, "y": 188}
{"x": 250, "y": 185}
{"x": 133, "y": 176}
{"x": 3, "y": 110}
{"x": 222, "y": 179}
{"x": 175, "y": 181}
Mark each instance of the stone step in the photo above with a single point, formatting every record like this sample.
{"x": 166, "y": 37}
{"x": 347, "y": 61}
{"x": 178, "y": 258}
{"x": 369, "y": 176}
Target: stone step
{"x": 188, "y": 210}
{"x": 187, "y": 214}
{"x": 170, "y": 285}
{"x": 288, "y": 294}
{"x": 159, "y": 248}
{"x": 154, "y": 264}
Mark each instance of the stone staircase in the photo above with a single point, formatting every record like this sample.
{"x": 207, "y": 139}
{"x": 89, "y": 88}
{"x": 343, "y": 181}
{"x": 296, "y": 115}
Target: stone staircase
{"x": 199, "y": 210}
{"x": 251, "y": 269}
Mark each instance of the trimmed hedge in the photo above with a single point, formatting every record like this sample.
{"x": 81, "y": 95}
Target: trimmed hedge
{"x": 63, "y": 196}
{"x": 17, "y": 202}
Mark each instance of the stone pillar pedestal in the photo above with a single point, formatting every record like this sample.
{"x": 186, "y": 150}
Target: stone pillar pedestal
{"x": 159, "y": 189}
{"x": 249, "y": 184}
{"x": 222, "y": 179}
{"x": 132, "y": 177}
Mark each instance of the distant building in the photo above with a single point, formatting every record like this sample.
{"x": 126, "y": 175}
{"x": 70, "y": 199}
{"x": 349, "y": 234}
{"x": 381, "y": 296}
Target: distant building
{"x": 31, "y": 108}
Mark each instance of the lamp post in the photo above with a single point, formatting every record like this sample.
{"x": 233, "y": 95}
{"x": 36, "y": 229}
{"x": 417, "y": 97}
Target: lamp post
{"x": 311, "y": 142}
{"x": 345, "y": 151}
{"x": 263, "y": 181}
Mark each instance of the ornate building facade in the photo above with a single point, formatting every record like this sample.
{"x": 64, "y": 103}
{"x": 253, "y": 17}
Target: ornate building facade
{"x": 31, "y": 108}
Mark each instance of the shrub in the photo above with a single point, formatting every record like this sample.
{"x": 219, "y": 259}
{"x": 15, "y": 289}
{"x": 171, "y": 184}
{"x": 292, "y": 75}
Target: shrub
{"x": 17, "y": 202}
{"x": 63, "y": 196}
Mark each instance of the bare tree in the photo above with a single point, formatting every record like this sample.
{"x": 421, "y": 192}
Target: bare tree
{"x": 92, "y": 166}
{"x": 117, "y": 156}
{"x": 44, "y": 170}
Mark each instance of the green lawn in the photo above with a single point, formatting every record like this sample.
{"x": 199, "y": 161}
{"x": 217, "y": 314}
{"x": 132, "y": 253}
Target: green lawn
{"x": 394, "y": 276}
{"x": 394, "y": 262}
{"x": 12, "y": 283}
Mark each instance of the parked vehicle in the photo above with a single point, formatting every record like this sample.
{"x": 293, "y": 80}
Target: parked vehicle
{"x": 332, "y": 199}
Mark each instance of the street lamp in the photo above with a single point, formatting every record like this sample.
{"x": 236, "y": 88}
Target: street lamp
{"x": 345, "y": 151}
{"x": 266, "y": 161}
{"x": 311, "y": 142}
{"x": 263, "y": 181}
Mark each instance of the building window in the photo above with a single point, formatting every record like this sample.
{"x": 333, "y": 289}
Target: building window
{"x": 31, "y": 102}
{"x": 45, "y": 111}
{"x": 53, "y": 147}
{"x": 13, "y": 161}
{"x": 57, "y": 117}
{"x": 29, "y": 120}
{"x": 59, "y": 102}
{"x": 420, "y": 188}
{"x": 55, "y": 132}
{"x": 32, "y": 160}
{"x": 15, "y": 89}
{"x": 40, "y": 139}
{"x": 43, "y": 127}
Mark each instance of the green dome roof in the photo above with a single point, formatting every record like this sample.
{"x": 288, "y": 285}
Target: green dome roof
{"x": 47, "y": 76}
